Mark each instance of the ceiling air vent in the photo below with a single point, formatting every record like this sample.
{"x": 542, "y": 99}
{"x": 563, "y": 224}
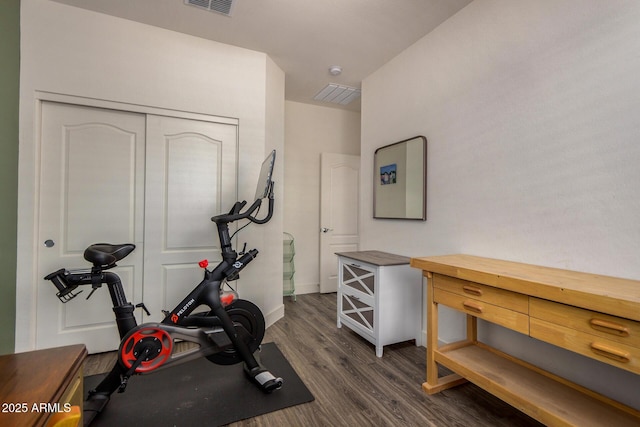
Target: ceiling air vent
{"x": 219, "y": 6}
{"x": 337, "y": 94}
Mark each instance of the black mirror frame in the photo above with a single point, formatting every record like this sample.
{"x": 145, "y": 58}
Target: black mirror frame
{"x": 377, "y": 178}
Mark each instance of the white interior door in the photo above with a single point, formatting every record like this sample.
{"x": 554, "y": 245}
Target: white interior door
{"x": 91, "y": 190}
{"x": 339, "y": 210}
{"x": 191, "y": 176}
{"x": 120, "y": 177}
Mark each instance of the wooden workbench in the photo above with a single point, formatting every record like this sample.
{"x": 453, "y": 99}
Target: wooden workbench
{"x": 596, "y": 316}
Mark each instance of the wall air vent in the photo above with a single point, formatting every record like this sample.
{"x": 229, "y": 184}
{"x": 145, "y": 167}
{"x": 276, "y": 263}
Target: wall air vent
{"x": 224, "y": 7}
{"x": 338, "y": 94}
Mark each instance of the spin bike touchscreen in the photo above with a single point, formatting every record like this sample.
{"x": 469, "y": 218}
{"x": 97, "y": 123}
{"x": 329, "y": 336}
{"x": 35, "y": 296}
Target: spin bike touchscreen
{"x": 264, "y": 181}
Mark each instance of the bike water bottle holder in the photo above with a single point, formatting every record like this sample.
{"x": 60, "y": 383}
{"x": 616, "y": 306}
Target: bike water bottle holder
{"x": 65, "y": 291}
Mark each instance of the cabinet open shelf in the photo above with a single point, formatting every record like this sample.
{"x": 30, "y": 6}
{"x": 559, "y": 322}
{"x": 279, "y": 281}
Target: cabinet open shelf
{"x": 540, "y": 394}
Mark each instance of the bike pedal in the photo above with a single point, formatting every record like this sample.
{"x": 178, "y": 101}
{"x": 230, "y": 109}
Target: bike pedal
{"x": 123, "y": 384}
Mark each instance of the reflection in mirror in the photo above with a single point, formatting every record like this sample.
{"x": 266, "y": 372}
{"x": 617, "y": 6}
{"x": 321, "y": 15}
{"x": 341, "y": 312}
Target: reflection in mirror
{"x": 400, "y": 180}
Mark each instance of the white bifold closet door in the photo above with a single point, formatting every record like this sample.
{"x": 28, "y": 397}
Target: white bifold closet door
{"x": 121, "y": 177}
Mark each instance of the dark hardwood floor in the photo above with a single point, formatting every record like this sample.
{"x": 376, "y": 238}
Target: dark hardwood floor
{"x": 352, "y": 387}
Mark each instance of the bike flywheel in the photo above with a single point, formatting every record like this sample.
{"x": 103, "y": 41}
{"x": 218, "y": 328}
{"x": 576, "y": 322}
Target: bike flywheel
{"x": 245, "y": 315}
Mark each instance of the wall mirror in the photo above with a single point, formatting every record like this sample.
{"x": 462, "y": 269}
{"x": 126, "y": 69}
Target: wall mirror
{"x": 400, "y": 180}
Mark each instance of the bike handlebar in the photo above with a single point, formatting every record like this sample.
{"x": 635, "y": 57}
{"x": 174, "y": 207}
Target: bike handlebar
{"x": 57, "y": 277}
{"x": 66, "y": 282}
{"x": 235, "y": 214}
{"x": 65, "y": 289}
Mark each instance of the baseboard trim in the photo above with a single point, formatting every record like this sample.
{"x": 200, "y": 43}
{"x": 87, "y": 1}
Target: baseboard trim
{"x": 312, "y": 288}
{"x": 274, "y": 315}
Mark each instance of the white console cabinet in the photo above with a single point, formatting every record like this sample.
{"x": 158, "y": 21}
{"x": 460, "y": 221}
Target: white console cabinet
{"x": 379, "y": 297}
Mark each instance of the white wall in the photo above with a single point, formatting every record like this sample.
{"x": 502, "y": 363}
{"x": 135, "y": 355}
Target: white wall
{"x": 73, "y": 51}
{"x": 530, "y": 110}
{"x": 268, "y": 274}
{"x": 309, "y": 131}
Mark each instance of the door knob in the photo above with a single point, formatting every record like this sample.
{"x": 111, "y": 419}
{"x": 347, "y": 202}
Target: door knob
{"x": 49, "y": 243}
{"x": 325, "y": 229}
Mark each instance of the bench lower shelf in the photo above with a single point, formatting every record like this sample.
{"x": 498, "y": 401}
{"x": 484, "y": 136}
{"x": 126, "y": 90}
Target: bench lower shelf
{"x": 549, "y": 399}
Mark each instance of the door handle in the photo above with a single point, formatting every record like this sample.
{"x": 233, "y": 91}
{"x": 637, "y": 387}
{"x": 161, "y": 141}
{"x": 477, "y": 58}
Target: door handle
{"x": 325, "y": 229}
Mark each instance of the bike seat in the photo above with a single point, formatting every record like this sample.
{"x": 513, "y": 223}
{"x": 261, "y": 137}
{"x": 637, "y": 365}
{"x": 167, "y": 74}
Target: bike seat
{"x": 105, "y": 254}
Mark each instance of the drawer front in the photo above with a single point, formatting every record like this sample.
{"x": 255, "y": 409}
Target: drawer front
{"x": 73, "y": 395}
{"x": 500, "y": 297}
{"x": 620, "y": 330}
{"x": 602, "y": 349}
{"x": 357, "y": 295}
{"x": 359, "y": 277}
{"x": 357, "y": 310}
{"x": 481, "y": 309}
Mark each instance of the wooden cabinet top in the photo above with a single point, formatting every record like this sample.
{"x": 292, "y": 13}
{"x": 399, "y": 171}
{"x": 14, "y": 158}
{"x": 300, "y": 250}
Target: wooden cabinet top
{"x": 376, "y": 257}
{"x": 611, "y": 295}
{"x": 36, "y": 377}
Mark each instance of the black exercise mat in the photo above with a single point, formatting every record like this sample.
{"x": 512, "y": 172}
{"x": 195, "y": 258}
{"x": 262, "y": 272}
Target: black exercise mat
{"x": 200, "y": 393}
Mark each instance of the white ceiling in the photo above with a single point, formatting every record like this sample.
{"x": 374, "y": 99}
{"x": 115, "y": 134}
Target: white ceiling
{"x": 304, "y": 37}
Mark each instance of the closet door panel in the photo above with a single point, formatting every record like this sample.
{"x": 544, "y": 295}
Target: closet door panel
{"x": 91, "y": 190}
{"x": 191, "y": 176}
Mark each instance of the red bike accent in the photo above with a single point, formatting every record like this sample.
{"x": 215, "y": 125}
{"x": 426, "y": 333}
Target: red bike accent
{"x": 204, "y": 263}
{"x": 227, "y": 298}
{"x": 158, "y": 339}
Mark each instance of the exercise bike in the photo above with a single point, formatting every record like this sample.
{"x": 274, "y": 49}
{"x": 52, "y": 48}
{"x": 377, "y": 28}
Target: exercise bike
{"x": 230, "y": 332}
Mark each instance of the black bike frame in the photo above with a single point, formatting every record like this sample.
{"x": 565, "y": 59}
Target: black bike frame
{"x": 214, "y": 331}
{"x": 205, "y": 293}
